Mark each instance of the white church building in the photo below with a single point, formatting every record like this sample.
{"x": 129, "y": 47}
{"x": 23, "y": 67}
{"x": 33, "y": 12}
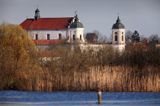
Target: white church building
{"x": 118, "y": 35}
{"x": 50, "y": 31}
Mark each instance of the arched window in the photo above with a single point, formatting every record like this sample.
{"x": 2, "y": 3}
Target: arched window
{"x": 74, "y": 37}
{"x": 122, "y": 37}
{"x": 80, "y": 37}
{"x": 48, "y": 36}
{"x": 36, "y": 37}
{"x": 60, "y": 36}
{"x": 116, "y": 38}
{"x": 116, "y": 33}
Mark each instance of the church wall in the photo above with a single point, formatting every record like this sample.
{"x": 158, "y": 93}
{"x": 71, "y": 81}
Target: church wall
{"x": 77, "y": 32}
{"x": 119, "y": 35}
{"x": 120, "y": 48}
{"x": 95, "y": 47}
{"x": 42, "y": 34}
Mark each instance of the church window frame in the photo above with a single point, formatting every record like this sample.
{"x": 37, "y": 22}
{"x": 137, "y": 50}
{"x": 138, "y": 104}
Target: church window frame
{"x": 122, "y": 38}
{"x": 48, "y": 36}
{"x": 74, "y": 37}
{"x": 116, "y": 38}
{"x": 36, "y": 36}
{"x": 80, "y": 37}
{"x": 60, "y": 36}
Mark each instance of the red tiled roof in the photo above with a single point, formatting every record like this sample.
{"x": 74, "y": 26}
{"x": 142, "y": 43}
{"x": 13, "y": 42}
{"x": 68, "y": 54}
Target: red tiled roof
{"x": 46, "y": 23}
{"x": 47, "y": 42}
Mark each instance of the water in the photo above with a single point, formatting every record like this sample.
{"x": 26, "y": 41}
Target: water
{"x": 21, "y": 98}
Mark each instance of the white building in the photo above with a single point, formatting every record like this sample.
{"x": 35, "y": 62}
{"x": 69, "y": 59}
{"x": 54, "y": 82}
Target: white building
{"x": 118, "y": 35}
{"x": 46, "y": 32}
{"x": 50, "y": 31}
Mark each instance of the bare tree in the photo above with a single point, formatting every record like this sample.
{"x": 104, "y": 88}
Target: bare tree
{"x": 128, "y": 36}
{"x": 153, "y": 40}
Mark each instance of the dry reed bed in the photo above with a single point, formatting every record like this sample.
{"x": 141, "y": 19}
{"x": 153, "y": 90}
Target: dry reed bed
{"x": 108, "y": 78}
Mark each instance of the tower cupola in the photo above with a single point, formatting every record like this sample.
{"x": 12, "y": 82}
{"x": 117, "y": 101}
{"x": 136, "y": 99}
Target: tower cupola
{"x": 118, "y": 24}
{"x": 76, "y": 23}
{"x": 76, "y": 31}
{"x": 37, "y": 14}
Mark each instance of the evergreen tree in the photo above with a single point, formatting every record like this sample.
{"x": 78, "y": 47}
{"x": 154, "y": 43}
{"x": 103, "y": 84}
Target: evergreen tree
{"x": 135, "y": 37}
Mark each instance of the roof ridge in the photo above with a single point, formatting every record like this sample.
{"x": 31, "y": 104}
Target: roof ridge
{"x": 50, "y": 18}
{"x": 58, "y": 17}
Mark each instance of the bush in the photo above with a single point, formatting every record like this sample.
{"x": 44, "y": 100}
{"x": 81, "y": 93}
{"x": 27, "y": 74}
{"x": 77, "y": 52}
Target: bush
{"x": 18, "y": 54}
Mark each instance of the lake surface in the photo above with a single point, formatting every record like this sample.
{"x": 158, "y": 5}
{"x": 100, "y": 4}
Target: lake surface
{"x": 21, "y": 98}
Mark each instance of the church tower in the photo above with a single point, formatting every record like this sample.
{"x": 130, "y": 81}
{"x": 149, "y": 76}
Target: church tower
{"x": 37, "y": 14}
{"x": 118, "y": 35}
{"x": 76, "y": 31}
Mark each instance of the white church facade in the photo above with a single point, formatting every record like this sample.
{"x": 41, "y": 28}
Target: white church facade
{"x": 50, "y": 31}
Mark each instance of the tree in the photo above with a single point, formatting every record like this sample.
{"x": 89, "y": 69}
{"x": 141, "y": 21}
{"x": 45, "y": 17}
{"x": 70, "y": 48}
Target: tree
{"x": 17, "y": 53}
{"x": 128, "y": 36}
{"x": 135, "y": 37}
{"x": 103, "y": 39}
{"x": 153, "y": 40}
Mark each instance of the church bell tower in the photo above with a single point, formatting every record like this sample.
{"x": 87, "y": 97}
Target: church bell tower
{"x": 76, "y": 31}
{"x": 118, "y": 35}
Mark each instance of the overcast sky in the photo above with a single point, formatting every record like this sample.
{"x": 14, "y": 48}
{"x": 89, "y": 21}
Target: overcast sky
{"x": 141, "y": 15}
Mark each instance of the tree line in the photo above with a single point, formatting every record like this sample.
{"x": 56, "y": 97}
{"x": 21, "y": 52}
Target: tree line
{"x": 131, "y": 37}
